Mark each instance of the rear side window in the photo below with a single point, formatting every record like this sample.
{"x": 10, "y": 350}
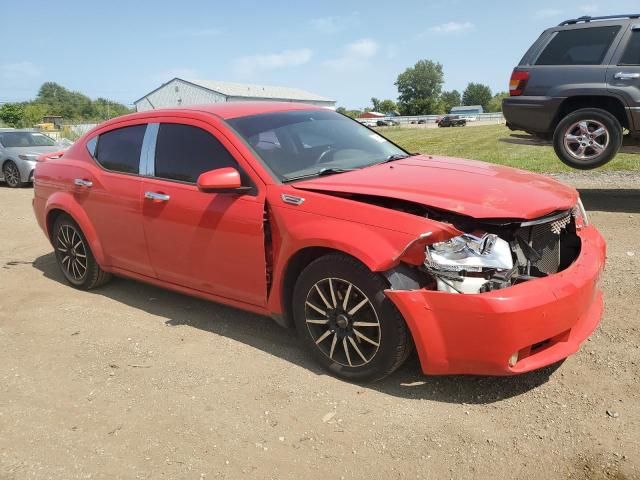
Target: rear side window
{"x": 119, "y": 150}
{"x": 183, "y": 152}
{"x": 583, "y": 46}
{"x": 631, "y": 55}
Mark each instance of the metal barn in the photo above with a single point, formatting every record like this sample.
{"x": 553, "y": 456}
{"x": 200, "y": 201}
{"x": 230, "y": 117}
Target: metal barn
{"x": 179, "y": 92}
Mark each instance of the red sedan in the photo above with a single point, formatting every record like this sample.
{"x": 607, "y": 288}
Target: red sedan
{"x": 305, "y": 215}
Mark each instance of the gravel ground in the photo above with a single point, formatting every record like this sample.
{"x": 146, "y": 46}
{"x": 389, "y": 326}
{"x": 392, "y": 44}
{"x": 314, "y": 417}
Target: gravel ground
{"x": 131, "y": 381}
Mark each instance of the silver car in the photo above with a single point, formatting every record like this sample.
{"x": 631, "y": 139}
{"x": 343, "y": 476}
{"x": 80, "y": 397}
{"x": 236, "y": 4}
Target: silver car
{"x": 19, "y": 150}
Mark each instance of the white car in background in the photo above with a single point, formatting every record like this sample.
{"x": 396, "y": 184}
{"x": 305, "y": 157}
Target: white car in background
{"x": 19, "y": 150}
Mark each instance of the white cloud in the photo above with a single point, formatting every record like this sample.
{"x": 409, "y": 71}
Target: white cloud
{"x": 327, "y": 24}
{"x": 548, "y": 12}
{"x": 245, "y": 66}
{"x": 335, "y": 24}
{"x": 354, "y": 54}
{"x": 591, "y": 8}
{"x": 452, "y": 27}
{"x": 19, "y": 70}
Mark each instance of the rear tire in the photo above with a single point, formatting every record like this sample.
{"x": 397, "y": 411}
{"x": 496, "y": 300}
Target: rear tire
{"x": 587, "y": 138}
{"x": 11, "y": 175}
{"x": 74, "y": 256}
{"x": 364, "y": 340}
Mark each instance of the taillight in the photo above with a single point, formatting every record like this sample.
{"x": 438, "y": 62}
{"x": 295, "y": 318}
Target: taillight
{"x": 518, "y": 82}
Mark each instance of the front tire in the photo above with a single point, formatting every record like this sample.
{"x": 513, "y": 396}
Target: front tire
{"x": 11, "y": 175}
{"x": 587, "y": 138}
{"x": 345, "y": 320}
{"x": 74, "y": 256}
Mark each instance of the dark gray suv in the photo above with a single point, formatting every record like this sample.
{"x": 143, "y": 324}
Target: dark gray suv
{"x": 580, "y": 83}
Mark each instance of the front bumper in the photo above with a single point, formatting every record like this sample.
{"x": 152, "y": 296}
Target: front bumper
{"x": 26, "y": 169}
{"x": 545, "y": 320}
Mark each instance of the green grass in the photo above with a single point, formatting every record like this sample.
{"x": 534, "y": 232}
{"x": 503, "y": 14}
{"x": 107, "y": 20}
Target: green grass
{"x": 496, "y": 144}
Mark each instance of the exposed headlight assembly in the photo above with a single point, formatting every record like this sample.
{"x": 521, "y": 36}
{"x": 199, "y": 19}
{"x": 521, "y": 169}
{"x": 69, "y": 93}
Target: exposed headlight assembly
{"x": 470, "y": 263}
{"x": 580, "y": 214}
{"x": 470, "y": 253}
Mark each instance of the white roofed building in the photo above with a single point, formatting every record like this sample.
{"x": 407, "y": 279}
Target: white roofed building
{"x": 179, "y": 92}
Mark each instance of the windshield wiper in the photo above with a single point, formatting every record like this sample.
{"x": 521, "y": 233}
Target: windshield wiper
{"x": 320, "y": 173}
{"x": 397, "y": 156}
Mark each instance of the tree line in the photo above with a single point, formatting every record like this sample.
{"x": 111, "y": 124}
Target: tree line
{"x": 54, "y": 99}
{"x": 420, "y": 93}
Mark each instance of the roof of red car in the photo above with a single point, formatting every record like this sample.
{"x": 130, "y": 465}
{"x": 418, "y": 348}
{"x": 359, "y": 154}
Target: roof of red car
{"x": 229, "y": 110}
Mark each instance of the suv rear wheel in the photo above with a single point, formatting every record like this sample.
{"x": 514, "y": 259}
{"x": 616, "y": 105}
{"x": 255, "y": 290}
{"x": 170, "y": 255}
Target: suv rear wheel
{"x": 587, "y": 138}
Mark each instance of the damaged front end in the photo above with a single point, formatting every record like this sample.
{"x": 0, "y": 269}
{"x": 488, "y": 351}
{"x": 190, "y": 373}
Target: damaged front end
{"x": 496, "y": 254}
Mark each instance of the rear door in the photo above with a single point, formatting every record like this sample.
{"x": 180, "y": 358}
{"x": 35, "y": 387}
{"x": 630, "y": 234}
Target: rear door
{"x": 623, "y": 77}
{"x": 109, "y": 192}
{"x": 212, "y": 242}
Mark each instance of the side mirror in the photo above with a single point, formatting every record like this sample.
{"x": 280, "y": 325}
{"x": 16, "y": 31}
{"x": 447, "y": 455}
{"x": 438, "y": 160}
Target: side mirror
{"x": 221, "y": 180}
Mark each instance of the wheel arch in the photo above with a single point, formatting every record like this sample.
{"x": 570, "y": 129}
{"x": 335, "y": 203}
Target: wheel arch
{"x": 609, "y": 103}
{"x": 62, "y": 203}
{"x": 294, "y": 266}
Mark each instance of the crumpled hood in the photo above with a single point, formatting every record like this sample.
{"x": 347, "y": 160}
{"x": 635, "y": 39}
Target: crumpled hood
{"x": 467, "y": 187}
{"x": 37, "y": 151}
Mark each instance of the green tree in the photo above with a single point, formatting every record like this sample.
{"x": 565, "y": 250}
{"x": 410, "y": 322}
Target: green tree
{"x": 477, "y": 94}
{"x": 419, "y": 88}
{"x": 495, "y": 104}
{"x": 32, "y": 114}
{"x": 76, "y": 106}
{"x": 376, "y": 104}
{"x": 387, "y": 106}
{"x": 450, "y": 99}
{"x": 349, "y": 113}
{"x": 11, "y": 114}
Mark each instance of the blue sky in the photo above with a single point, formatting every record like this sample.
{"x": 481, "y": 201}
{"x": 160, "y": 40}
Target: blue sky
{"x": 349, "y": 50}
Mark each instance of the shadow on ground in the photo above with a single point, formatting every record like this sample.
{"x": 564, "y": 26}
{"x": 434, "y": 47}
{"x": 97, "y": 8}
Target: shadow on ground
{"x": 611, "y": 199}
{"x": 262, "y": 333}
{"x": 629, "y": 145}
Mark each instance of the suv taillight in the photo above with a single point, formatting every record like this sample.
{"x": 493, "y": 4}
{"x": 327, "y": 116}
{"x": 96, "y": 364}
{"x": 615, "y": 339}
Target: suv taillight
{"x": 518, "y": 82}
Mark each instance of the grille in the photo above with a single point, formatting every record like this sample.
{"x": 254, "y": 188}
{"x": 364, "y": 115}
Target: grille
{"x": 544, "y": 242}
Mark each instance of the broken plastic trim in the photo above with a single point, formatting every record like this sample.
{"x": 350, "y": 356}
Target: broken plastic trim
{"x": 413, "y": 253}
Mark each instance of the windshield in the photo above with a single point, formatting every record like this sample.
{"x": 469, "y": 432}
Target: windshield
{"x": 25, "y": 139}
{"x": 298, "y": 144}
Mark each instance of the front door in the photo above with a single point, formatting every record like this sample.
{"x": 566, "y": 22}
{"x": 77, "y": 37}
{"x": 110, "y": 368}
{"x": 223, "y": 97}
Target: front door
{"x": 623, "y": 76}
{"x": 212, "y": 242}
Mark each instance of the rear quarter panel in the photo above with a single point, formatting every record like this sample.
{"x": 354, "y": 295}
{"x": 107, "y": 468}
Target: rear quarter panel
{"x": 54, "y": 190}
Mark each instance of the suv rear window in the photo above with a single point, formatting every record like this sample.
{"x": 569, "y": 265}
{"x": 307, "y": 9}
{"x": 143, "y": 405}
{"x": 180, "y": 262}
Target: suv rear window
{"x": 119, "y": 150}
{"x": 631, "y": 55}
{"x": 582, "y": 46}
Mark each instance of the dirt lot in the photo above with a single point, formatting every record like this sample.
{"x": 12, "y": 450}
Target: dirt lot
{"x": 131, "y": 381}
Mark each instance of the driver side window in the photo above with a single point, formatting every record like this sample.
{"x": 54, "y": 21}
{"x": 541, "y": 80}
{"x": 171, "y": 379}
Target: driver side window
{"x": 184, "y": 152}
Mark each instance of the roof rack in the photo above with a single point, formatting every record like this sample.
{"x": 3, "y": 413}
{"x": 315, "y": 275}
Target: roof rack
{"x": 587, "y": 19}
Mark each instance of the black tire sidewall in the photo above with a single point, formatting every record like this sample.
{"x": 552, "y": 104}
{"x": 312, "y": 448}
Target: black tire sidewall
{"x": 394, "y": 338}
{"x": 609, "y": 121}
{"x": 92, "y": 266}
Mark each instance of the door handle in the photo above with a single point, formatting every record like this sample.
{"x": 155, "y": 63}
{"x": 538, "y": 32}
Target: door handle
{"x": 161, "y": 197}
{"x": 81, "y": 182}
{"x": 626, "y": 76}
